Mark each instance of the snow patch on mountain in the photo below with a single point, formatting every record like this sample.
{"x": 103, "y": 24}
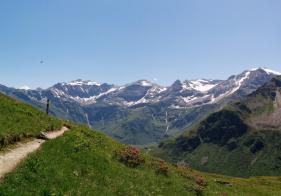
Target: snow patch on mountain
{"x": 25, "y": 88}
{"x": 151, "y": 96}
{"x": 142, "y": 83}
{"x": 145, "y": 83}
{"x": 239, "y": 82}
{"x": 81, "y": 83}
{"x": 58, "y": 93}
{"x": 132, "y": 103}
{"x": 92, "y": 99}
{"x": 201, "y": 85}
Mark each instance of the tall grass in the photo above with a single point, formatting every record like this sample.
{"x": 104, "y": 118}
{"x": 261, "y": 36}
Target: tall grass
{"x": 19, "y": 121}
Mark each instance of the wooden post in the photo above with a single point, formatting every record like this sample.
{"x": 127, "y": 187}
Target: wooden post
{"x": 48, "y": 105}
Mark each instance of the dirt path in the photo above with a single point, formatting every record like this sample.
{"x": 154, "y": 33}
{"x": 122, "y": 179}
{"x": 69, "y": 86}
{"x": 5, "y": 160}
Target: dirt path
{"x": 10, "y": 159}
{"x": 54, "y": 134}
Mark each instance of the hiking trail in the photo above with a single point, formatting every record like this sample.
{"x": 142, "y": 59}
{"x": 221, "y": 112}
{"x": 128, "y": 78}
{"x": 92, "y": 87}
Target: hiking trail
{"x": 10, "y": 159}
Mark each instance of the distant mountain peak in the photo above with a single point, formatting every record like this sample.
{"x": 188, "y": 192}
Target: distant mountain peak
{"x": 267, "y": 70}
{"x": 25, "y": 88}
{"x": 181, "y": 94}
{"x": 81, "y": 82}
{"x": 144, "y": 83}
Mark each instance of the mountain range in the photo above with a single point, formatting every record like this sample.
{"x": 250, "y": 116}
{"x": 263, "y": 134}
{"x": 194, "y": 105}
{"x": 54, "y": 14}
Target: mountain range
{"x": 82, "y": 161}
{"x": 242, "y": 139}
{"x": 142, "y": 112}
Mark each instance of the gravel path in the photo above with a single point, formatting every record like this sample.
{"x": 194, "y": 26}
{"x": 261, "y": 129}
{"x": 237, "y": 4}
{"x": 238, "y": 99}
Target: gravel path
{"x": 10, "y": 159}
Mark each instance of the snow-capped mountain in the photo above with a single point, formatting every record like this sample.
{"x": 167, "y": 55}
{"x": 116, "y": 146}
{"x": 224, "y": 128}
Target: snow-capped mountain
{"x": 89, "y": 92}
{"x": 142, "y": 107}
{"x": 189, "y": 93}
{"x": 81, "y": 91}
{"x": 244, "y": 83}
{"x": 183, "y": 94}
{"x": 140, "y": 92}
{"x": 199, "y": 92}
{"x": 25, "y": 88}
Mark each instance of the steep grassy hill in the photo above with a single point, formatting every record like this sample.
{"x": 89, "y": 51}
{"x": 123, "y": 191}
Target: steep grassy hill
{"x": 83, "y": 162}
{"x": 243, "y": 139}
{"x": 20, "y": 121}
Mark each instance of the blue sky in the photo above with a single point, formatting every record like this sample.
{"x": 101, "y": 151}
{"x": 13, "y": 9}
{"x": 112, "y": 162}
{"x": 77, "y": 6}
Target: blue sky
{"x": 126, "y": 40}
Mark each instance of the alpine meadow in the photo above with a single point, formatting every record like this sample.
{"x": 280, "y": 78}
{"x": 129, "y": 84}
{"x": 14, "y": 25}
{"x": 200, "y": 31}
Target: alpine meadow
{"x": 140, "y": 98}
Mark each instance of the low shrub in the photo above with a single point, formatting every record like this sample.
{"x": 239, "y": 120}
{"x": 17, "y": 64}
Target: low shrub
{"x": 130, "y": 156}
{"x": 199, "y": 180}
{"x": 160, "y": 167}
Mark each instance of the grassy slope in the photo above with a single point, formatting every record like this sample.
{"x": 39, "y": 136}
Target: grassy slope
{"x": 240, "y": 161}
{"x": 82, "y": 162}
{"x": 19, "y": 121}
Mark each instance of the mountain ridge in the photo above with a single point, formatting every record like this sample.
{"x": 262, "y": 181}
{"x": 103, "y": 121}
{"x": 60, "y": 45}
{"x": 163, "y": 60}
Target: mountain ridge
{"x": 142, "y": 112}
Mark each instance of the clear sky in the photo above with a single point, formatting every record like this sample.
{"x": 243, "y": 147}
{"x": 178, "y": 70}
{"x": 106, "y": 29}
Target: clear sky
{"x": 120, "y": 41}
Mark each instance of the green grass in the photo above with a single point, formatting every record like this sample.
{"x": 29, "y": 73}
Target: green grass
{"x": 19, "y": 121}
{"x": 82, "y": 162}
